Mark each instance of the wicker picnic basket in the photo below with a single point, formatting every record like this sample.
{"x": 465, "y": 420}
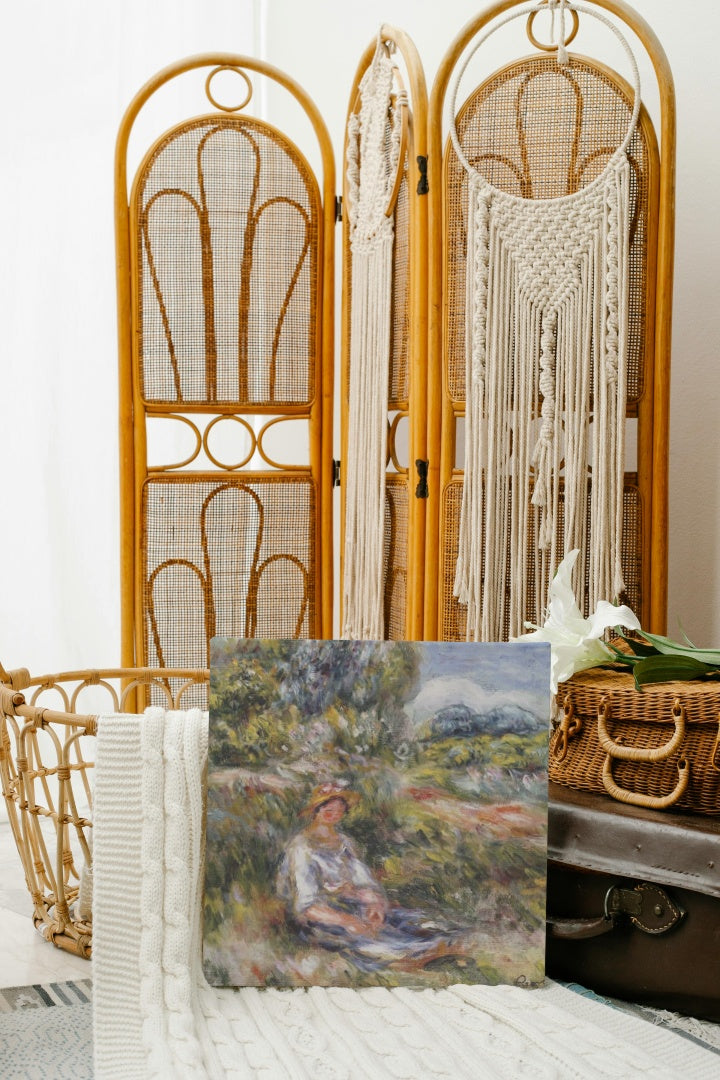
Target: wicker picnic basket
{"x": 657, "y": 748}
{"x": 46, "y": 754}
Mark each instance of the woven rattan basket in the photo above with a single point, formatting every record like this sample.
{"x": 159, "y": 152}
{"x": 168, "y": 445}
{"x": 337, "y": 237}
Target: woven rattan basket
{"x": 46, "y": 758}
{"x": 659, "y": 747}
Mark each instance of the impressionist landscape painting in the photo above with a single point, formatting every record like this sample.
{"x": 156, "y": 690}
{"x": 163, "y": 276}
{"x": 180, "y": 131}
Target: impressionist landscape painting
{"x": 377, "y": 813}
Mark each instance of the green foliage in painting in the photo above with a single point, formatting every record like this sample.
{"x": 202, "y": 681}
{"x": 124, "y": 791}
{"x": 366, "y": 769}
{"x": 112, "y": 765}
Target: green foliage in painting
{"x": 265, "y": 694}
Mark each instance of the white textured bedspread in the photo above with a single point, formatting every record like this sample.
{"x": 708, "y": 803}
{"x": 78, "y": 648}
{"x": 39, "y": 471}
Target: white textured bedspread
{"x": 156, "y": 1016}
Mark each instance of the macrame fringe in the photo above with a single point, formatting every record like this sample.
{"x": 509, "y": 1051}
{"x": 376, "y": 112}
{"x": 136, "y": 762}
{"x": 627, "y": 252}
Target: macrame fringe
{"x": 546, "y": 330}
{"x": 372, "y": 162}
{"x": 363, "y": 579}
{"x": 547, "y": 303}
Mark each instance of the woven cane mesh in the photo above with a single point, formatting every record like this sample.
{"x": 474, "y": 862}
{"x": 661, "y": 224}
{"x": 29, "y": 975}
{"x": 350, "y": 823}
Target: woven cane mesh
{"x": 234, "y": 557}
{"x": 453, "y": 615}
{"x": 396, "y": 556}
{"x": 539, "y": 131}
{"x": 226, "y": 218}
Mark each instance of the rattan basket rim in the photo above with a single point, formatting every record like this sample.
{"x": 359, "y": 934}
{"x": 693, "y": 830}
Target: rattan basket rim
{"x": 587, "y": 689}
{"x": 14, "y": 683}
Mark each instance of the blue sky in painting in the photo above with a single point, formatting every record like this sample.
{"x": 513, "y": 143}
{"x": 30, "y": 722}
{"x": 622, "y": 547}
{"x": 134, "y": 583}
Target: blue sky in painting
{"x": 482, "y": 676}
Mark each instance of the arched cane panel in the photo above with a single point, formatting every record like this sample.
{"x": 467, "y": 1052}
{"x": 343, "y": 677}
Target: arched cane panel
{"x": 240, "y": 570}
{"x": 227, "y": 215}
{"x": 230, "y": 320}
{"x": 539, "y": 130}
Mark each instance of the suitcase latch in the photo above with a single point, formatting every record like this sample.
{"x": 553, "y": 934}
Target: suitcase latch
{"x": 647, "y": 906}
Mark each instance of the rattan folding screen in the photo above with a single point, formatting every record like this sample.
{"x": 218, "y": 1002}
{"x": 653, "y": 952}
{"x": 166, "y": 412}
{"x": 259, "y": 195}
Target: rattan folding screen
{"x": 225, "y": 284}
{"x": 516, "y": 126}
{"x": 225, "y": 255}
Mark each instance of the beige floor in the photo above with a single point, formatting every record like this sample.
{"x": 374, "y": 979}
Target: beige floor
{"x": 25, "y": 957}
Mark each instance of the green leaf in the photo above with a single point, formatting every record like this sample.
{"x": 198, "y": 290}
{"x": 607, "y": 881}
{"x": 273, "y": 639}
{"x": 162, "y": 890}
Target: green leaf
{"x": 640, "y": 648}
{"x": 687, "y": 639}
{"x": 655, "y": 669}
{"x": 672, "y": 648}
{"x": 621, "y": 657}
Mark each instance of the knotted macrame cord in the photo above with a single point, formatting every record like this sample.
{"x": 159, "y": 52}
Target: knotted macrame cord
{"x": 546, "y": 319}
{"x": 371, "y": 167}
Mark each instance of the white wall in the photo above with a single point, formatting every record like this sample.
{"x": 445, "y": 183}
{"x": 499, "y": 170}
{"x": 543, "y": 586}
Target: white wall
{"x": 67, "y": 72}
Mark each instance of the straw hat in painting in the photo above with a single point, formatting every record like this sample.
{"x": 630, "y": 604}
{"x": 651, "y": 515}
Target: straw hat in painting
{"x": 324, "y": 793}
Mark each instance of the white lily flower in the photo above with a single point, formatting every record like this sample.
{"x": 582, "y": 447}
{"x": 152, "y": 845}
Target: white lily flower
{"x": 575, "y": 642}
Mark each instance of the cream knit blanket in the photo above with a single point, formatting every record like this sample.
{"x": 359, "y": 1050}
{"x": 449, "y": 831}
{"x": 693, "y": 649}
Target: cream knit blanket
{"x": 155, "y": 1015}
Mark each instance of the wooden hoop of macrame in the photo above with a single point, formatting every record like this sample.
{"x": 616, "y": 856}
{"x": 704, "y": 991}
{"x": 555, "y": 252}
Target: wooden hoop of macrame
{"x": 374, "y": 163}
{"x": 546, "y": 322}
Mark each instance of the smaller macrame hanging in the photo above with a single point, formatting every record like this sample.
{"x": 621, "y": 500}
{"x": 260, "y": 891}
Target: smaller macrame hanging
{"x": 374, "y": 160}
{"x": 546, "y": 322}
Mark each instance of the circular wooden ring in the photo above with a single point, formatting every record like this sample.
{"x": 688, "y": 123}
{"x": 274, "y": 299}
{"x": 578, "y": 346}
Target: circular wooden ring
{"x": 551, "y": 48}
{"x": 216, "y": 461}
{"x": 238, "y": 71}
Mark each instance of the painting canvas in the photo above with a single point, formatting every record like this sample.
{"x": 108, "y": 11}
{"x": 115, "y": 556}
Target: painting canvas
{"x": 377, "y": 813}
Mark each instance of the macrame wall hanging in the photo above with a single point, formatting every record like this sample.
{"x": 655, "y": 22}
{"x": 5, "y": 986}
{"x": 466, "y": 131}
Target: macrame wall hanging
{"x": 375, "y": 154}
{"x": 546, "y": 340}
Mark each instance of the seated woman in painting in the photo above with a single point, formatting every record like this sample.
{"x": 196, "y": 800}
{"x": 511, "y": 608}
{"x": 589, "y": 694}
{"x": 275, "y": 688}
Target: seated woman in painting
{"x": 336, "y": 902}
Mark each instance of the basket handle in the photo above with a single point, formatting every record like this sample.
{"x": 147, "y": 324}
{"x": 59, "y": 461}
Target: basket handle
{"x": 570, "y": 726}
{"x": 634, "y": 753}
{"x": 652, "y": 802}
{"x": 715, "y": 754}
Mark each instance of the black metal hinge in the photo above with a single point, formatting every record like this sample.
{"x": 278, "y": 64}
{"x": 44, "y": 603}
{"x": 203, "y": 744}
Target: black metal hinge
{"x": 422, "y": 188}
{"x": 336, "y": 474}
{"x": 421, "y": 491}
{"x": 338, "y": 208}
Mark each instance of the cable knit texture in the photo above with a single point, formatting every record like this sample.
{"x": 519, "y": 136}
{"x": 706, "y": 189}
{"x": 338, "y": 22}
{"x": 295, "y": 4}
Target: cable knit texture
{"x": 156, "y": 1016}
